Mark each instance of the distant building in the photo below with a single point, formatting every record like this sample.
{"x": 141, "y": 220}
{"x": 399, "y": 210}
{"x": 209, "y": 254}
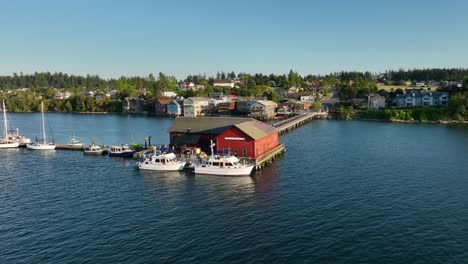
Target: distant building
{"x": 175, "y": 108}
{"x": 58, "y": 96}
{"x": 263, "y": 108}
{"x": 419, "y": 98}
{"x": 294, "y": 89}
{"x": 304, "y": 98}
{"x": 223, "y": 83}
{"x": 169, "y": 94}
{"x": 195, "y": 106}
{"x": 376, "y": 101}
{"x": 216, "y": 98}
{"x": 187, "y": 86}
{"x": 226, "y": 107}
{"x": 286, "y": 108}
{"x": 133, "y": 105}
{"x": 244, "y": 106}
{"x": 160, "y": 106}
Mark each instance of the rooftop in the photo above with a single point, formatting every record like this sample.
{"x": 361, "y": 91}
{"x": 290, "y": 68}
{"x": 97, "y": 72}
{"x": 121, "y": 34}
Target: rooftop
{"x": 217, "y": 125}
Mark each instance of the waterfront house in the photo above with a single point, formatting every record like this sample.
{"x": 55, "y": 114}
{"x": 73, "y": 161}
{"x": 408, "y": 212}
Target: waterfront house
{"x": 160, "y": 107}
{"x": 133, "y": 105}
{"x": 263, "y": 108}
{"x": 216, "y": 98}
{"x": 244, "y": 137}
{"x": 175, "y": 108}
{"x": 195, "y": 106}
{"x": 376, "y": 101}
{"x": 226, "y": 107}
{"x": 420, "y": 98}
{"x": 244, "y": 106}
{"x": 286, "y": 108}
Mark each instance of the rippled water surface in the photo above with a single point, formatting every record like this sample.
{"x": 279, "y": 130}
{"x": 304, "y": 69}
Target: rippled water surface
{"x": 345, "y": 192}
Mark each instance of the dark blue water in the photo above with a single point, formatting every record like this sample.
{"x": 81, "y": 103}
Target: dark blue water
{"x": 345, "y": 192}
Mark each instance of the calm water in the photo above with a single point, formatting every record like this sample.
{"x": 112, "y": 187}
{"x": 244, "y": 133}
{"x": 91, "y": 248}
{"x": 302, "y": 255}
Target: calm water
{"x": 345, "y": 192}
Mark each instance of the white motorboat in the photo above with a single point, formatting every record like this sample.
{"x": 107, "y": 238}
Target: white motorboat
{"x": 42, "y": 145}
{"x": 74, "y": 142}
{"x": 223, "y": 166}
{"x": 94, "y": 150}
{"x": 161, "y": 162}
{"x": 6, "y": 141}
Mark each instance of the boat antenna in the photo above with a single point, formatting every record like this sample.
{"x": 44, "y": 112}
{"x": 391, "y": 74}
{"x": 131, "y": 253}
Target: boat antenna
{"x": 211, "y": 146}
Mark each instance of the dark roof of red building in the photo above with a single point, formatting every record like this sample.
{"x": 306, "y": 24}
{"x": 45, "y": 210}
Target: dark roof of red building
{"x": 217, "y": 125}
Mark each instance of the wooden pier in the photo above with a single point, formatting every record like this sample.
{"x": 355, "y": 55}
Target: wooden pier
{"x": 68, "y": 147}
{"x": 267, "y": 158}
{"x": 297, "y": 121}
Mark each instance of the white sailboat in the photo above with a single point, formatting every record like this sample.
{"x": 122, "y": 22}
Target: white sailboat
{"x": 42, "y": 145}
{"x": 6, "y": 142}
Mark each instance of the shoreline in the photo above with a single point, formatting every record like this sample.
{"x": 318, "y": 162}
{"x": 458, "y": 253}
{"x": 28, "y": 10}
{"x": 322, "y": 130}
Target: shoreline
{"x": 444, "y": 122}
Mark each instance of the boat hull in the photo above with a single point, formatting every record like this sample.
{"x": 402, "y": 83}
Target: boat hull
{"x": 40, "y": 146}
{"x": 122, "y": 154}
{"x": 9, "y": 145}
{"x": 94, "y": 152}
{"x": 147, "y": 165}
{"x": 244, "y": 171}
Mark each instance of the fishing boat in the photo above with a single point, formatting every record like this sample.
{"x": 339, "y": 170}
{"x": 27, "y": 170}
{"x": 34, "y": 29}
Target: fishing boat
{"x": 6, "y": 141}
{"x": 121, "y": 151}
{"x": 94, "y": 149}
{"x": 161, "y": 162}
{"x": 42, "y": 145}
{"x": 225, "y": 165}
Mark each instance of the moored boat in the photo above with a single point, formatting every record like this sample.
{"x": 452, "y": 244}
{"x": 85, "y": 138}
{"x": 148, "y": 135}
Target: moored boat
{"x": 161, "y": 162}
{"x": 121, "y": 151}
{"x": 93, "y": 150}
{"x": 42, "y": 145}
{"x": 223, "y": 166}
{"x": 74, "y": 142}
{"x": 6, "y": 141}
{"x": 16, "y": 136}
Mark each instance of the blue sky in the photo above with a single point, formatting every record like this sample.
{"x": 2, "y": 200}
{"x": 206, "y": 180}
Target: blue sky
{"x": 180, "y": 37}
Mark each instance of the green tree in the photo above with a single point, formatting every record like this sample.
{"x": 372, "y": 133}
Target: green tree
{"x": 124, "y": 88}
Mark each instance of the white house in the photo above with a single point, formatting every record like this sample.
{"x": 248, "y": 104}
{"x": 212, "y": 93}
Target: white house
{"x": 263, "y": 108}
{"x": 223, "y": 83}
{"x": 169, "y": 94}
{"x": 305, "y": 98}
{"x": 195, "y": 106}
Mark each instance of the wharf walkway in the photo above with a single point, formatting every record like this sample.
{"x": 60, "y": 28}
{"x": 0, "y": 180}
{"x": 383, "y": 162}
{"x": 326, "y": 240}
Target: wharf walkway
{"x": 297, "y": 121}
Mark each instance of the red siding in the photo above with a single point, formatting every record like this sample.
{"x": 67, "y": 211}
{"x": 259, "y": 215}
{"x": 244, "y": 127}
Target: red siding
{"x": 254, "y": 148}
{"x": 265, "y": 144}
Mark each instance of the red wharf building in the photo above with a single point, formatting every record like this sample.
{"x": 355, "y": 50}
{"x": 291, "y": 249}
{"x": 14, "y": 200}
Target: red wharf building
{"x": 244, "y": 137}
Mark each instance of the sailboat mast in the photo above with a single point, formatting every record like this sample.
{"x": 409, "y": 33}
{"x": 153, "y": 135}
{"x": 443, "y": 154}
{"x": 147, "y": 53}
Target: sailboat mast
{"x": 5, "y": 120}
{"x": 43, "y": 123}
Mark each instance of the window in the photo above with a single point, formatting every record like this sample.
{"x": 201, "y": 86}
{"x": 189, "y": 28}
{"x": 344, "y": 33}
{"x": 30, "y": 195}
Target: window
{"x": 244, "y": 152}
{"x": 236, "y": 153}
